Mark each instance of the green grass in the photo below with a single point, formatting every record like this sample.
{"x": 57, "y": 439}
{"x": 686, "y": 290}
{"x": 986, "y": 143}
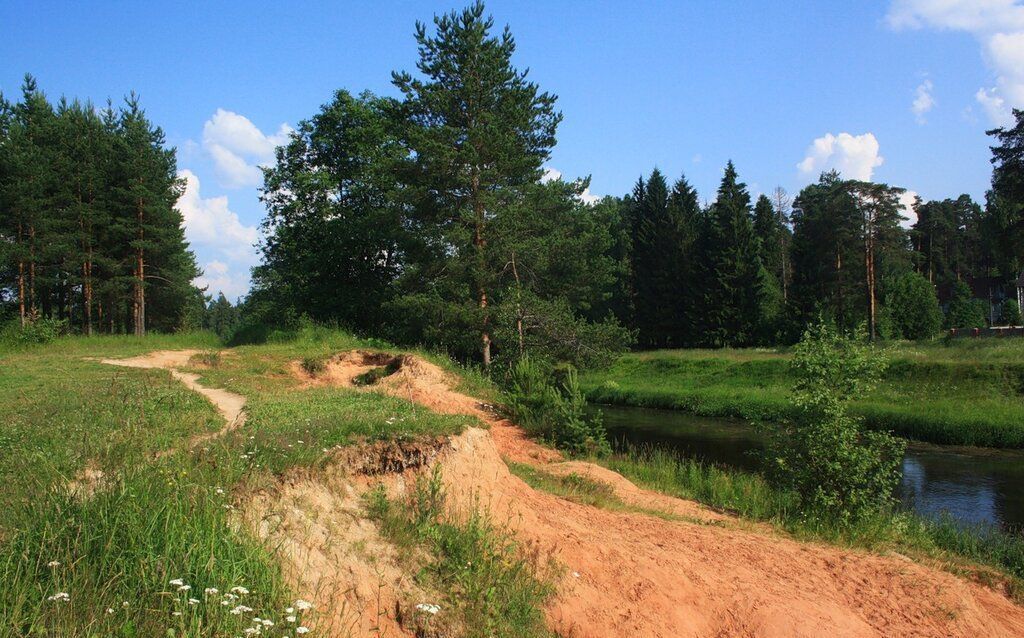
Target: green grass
{"x": 153, "y": 521}
{"x": 970, "y": 392}
{"x": 476, "y": 570}
{"x": 751, "y": 497}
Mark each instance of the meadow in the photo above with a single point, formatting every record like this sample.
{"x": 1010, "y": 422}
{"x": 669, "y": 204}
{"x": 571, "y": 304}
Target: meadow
{"x": 154, "y": 548}
{"x": 963, "y": 392}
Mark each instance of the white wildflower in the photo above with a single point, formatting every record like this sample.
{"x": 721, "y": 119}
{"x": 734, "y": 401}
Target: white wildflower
{"x": 125, "y": 604}
{"x": 251, "y": 631}
{"x": 290, "y": 618}
{"x": 302, "y": 630}
{"x": 209, "y": 591}
{"x": 61, "y": 596}
{"x": 110, "y": 610}
{"x": 238, "y": 589}
{"x": 184, "y": 587}
{"x": 268, "y": 622}
{"x": 219, "y": 490}
{"x": 428, "y": 608}
{"x": 175, "y": 613}
{"x": 177, "y": 582}
{"x": 289, "y": 610}
{"x": 193, "y": 601}
{"x": 53, "y": 563}
{"x": 303, "y": 605}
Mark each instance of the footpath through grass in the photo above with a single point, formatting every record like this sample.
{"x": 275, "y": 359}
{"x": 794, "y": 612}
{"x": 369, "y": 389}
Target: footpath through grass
{"x": 969, "y": 392}
{"x": 156, "y": 549}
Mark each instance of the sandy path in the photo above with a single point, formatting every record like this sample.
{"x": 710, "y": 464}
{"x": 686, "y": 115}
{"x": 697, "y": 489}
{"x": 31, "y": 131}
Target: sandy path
{"x": 631, "y": 574}
{"x": 230, "y": 405}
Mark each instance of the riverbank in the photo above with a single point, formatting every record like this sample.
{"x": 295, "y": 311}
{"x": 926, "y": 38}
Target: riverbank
{"x": 969, "y": 392}
{"x": 748, "y": 495}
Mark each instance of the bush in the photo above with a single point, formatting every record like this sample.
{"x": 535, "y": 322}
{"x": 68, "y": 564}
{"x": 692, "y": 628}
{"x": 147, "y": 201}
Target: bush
{"x": 912, "y": 306}
{"x": 554, "y": 411}
{"x": 839, "y": 469}
{"x": 314, "y": 364}
{"x": 965, "y": 311}
{"x": 35, "y": 332}
{"x": 1009, "y": 314}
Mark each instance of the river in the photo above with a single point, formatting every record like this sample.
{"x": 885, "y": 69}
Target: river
{"x": 977, "y": 486}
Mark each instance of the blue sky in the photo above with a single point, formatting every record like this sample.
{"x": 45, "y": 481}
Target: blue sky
{"x": 899, "y": 91}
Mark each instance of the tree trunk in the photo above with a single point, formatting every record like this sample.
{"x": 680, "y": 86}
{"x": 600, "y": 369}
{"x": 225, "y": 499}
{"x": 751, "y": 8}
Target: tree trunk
{"x": 87, "y": 292}
{"x": 21, "y": 291}
{"x": 479, "y": 244}
{"x": 519, "y": 307}
{"x": 140, "y": 277}
{"x": 32, "y": 272}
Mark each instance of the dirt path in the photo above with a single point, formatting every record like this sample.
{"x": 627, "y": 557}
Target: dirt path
{"x": 630, "y": 574}
{"x": 230, "y": 405}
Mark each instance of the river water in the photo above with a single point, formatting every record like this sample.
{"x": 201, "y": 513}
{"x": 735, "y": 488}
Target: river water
{"x": 977, "y": 486}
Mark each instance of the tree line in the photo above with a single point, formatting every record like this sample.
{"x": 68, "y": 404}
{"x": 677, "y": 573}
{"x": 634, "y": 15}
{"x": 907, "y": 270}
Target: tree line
{"x": 90, "y": 235}
{"x": 425, "y": 219}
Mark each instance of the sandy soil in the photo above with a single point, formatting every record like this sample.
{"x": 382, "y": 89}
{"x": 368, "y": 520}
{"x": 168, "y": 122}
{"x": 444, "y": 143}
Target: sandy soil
{"x": 625, "y": 574}
{"x": 630, "y": 574}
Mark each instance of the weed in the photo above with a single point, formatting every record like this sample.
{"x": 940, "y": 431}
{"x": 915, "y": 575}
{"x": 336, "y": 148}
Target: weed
{"x": 485, "y": 585}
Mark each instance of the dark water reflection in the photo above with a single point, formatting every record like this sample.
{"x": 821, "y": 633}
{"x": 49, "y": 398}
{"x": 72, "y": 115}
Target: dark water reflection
{"x": 974, "y": 485}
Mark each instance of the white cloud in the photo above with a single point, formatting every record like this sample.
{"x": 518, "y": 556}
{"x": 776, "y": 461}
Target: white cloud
{"x": 238, "y": 147}
{"x": 552, "y": 174}
{"x": 854, "y": 156}
{"x": 212, "y": 226}
{"x": 907, "y": 204}
{"x": 923, "y": 100}
{"x": 217, "y": 278}
{"x": 998, "y": 25}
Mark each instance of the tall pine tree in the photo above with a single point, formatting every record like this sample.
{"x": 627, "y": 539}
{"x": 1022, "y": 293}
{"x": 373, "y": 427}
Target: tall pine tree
{"x": 735, "y": 277}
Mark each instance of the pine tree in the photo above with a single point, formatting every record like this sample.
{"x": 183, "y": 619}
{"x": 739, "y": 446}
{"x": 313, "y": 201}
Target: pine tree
{"x": 479, "y": 133}
{"x": 735, "y": 275}
{"x": 656, "y": 263}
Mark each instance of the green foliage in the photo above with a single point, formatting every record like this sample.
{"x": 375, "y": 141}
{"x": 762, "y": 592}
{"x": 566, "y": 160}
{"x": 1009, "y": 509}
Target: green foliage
{"x": 838, "y": 469}
{"x": 1009, "y": 313}
{"x": 36, "y": 332}
{"x": 912, "y": 307}
{"x": 485, "y": 584}
{"x": 553, "y": 411}
{"x": 314, "y": 364}
{"x": 90, "y": 226}
{"x": 734, "y": 278}
{"x": 964, "y": 311}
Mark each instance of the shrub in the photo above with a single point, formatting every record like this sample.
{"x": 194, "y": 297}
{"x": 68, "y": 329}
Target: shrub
{"x": 1009, "y": 314}
{"x": 965, "y": 311}
{"x": 314, "y": 365}
{"x": 554, "y": 411}
{"x": 912, "y": 306}
{"x": 838, "y": 468}
{"x": 37, "y": 332}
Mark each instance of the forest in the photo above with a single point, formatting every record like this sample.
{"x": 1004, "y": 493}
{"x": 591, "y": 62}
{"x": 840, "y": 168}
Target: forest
{"x": 426, "y": 218}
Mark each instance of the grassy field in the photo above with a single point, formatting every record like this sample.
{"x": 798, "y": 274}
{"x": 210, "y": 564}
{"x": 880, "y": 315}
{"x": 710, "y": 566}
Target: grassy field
{"x": 156, "y": 549}
{"x": 969, "y": 392}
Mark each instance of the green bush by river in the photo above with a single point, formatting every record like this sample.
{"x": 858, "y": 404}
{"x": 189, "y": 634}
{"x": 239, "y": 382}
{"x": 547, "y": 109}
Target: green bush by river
{"x": 965, "y": 392}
